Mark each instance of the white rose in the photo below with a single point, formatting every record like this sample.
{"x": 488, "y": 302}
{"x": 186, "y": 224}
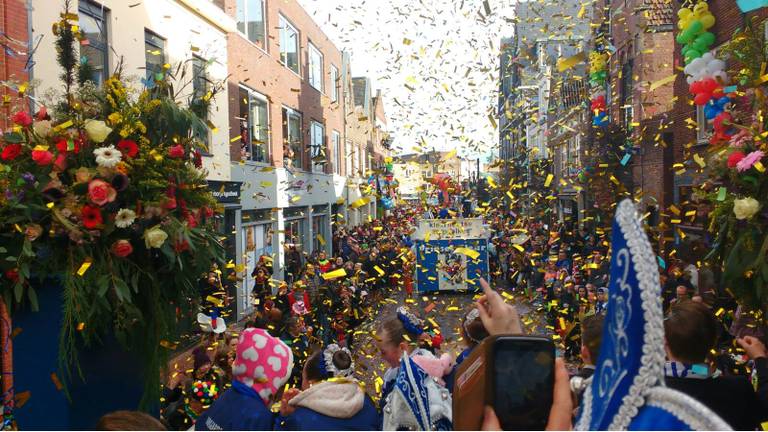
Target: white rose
{"x": 155, "y": 237}
{"x": 745, "y": 208}
{"x": 42, "y": 128}
{"x": 97, "y": 130}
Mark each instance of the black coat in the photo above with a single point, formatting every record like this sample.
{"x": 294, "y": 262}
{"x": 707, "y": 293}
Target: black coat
{"x": 731, "y": 397}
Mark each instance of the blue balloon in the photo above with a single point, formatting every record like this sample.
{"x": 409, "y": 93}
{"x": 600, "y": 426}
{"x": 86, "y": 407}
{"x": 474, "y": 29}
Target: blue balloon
{"x": 723, "y": 101}
{"x": 710, "y": 112}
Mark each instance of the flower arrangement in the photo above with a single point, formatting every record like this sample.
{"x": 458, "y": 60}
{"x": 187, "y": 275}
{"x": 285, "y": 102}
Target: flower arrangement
{"x": 737, "y": 186}
{"x": 106, "y": 196}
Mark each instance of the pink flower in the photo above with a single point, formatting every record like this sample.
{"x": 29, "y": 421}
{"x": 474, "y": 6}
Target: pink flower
{"x": 101, "y": 192}
{"x": 749, "y": 160}
{"x": 740, "y": 139}
{"x": 176, "y": 151}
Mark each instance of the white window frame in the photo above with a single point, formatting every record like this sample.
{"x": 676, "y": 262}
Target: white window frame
{"x": 317, "y": 145}
{"x": 254, "y": 95}
{"x": 337, "y": 156}
{"x": 286, "y": 25}
{"x": 299, "y": 151}
{"x": 334, "y": 84}
{"x": 704, "y": 128}
{"x": 348, "y": 148}
{"x": 315, "y": 70}
{"x": 244, "y": 32}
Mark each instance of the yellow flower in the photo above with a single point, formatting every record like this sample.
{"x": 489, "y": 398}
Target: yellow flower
{"x": 115, "y": 118}
{"x": 155, "y": 237}
{"x": 97, "y": 130}
{"x": 745, "y": 208}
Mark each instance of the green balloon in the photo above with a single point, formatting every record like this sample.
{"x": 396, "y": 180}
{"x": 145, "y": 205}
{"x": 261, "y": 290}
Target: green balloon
{"x": 692, "y": 54}
{"x": 707, "y": 38}
{"x": 690, "y": 33}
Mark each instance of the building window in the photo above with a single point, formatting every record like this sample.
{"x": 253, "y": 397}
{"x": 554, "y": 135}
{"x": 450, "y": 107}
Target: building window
{"x": 250, "y": 21}
{"x": 704, "y": 128}
{"x": 317, "y": 140}
{"x": 289, "y": 45}
{"x": 254, "y": 126}
{"x": 154, "y": 54}
{"x": 293, "y": 143}
{"x": 315, "y": 68}
{"x": 334, "y": 84}
{"x": 337, "y": 156}
{"x": 349, "y": 151}
{"x": 94, "y": 49}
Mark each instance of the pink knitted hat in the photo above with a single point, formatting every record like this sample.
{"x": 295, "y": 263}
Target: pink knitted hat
{"x": 263, "y": 362}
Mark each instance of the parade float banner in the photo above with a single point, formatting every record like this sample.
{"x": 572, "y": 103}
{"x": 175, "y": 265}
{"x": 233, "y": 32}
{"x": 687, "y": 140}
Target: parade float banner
{"x": 451, "y": 254}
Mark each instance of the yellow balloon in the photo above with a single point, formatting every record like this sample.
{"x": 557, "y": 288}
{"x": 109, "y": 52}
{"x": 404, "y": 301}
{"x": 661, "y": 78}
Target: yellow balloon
{"x": 684, "y": 13}
{"x": 707, "y": 21}
{"x": 700, "y": 9}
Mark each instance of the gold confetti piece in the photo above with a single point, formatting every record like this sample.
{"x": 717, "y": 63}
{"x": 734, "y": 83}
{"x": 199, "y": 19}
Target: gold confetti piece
{"x": 565, "y": 64}
{"x": 452, "y": 308}
{"x": 759, "y": 166}
{"x": 215, "y": 301}
{"x": 320, "y": 239}
{"x": 64, "y": 125}
{"x": 84, "y": 266}
{"x": 56, "y": 381}
{"x": 548, "y": 180}
{"x": 661, "y": 82}
{"x": 700, "y": 161}
{"x": 334, "y": 274}
{"x": 80, "y": 326}
{"x": 473, "y": 254}
{"x": 166, "y": 344}
{"x": 379, "y": 270}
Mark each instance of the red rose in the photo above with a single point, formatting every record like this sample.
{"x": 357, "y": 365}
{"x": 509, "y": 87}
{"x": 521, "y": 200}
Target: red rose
{"x": 63, "y": 146}
{"x": 91, "y": 217}
{"x": 176, "y": 151}
{"x": 22, "y": 118}
{"x": 122, "y": 248}
{"x": 42, "y": 157}
{"x": 170, "y": 204}
{"x": 128, "y": 148}
{"x": 12, "y": 275}
{"x": 61, "y": 162}
{"x": 42, "y": 113}
{"x": 101, "y": 192}
{"x": 11, "y": 151}
{"x": 734, "y": 158}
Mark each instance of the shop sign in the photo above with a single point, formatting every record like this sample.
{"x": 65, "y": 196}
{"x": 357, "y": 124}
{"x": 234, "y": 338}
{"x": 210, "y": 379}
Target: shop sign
{"x": 225, "y": 192}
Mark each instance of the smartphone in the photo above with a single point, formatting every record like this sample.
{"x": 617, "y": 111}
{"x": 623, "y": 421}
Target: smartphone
{"x": 523, "y": 382}
{"x": 513, "y": 374}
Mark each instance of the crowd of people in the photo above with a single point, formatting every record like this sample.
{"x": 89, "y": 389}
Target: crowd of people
{"x": 295, "y": 364}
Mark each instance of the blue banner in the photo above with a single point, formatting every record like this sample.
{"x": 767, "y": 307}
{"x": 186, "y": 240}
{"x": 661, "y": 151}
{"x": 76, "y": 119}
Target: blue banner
{"x": 451, "y": 265}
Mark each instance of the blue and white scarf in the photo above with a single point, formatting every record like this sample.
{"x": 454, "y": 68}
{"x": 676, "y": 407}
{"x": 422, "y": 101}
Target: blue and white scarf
{"x": 674, "y": 369}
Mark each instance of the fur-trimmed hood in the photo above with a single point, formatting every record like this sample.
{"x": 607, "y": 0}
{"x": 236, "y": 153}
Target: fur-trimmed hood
{"x": 338, "y": 398}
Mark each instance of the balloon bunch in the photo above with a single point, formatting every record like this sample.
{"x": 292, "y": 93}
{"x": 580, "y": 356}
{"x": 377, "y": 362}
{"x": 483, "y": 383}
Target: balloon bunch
{"x": 706, "y": 66}
{"x": 598, "y": 107}
{"x": 598, "y": 68}
{"x": 694, "y": 35}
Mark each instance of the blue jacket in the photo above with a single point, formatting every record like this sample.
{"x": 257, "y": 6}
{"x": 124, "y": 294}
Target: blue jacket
{"x": 368, "y": 418}
{"x": 239, "y": 408}
{"x": 451, "y": 377}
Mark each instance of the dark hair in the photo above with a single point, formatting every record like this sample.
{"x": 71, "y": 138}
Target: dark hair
{"x": 129, "y": 421}
{"x": 592, "y": 335}
{"x": 691, "y": 331}
{"x": 341, "y": 360}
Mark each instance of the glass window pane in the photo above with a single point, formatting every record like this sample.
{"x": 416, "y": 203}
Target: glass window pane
{"x": 93, "y": 50}
{"x": 240, "y": 14}
{"x": 154, "y": 47}
{"x": 259, "y": 131}
{"x": 255, "y": 20}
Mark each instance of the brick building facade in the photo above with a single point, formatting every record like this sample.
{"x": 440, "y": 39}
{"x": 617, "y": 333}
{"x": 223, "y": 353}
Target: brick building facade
{"x": 14, "y": 38}
{"x": 690, "y": 130}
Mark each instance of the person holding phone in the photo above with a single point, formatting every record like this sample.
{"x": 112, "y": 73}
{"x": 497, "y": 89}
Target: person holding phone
{"x": 501, "y": 318}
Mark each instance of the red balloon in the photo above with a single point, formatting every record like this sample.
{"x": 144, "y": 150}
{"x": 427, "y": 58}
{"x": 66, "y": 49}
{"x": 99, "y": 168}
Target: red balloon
{"x": 718, "y": 92}
{"x": 718, "y": 123}
{"x": 708, "y": 85}
{"x": 695, "y": 87}
{"x": 701, "y": 99}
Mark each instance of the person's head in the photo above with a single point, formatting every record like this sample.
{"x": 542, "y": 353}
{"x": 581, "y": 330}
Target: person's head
{"x": 293, "y": 325}
{"x": 332, "y": 362}
{"x": 472, "y": 329}
{"x": 690, "y": 332}
{"x": 561, "y": 255}
{"x": 322, "y": 255}
{"x": 358, "y": 266}
{"x": 212, "y": 278}
{"x": 263, "y": 363}
{"x": 582, "y": 291}
{"x": 339, "y": 261}
{"x": 681, "y": 292}
{"x": 261, "y": 272}
{"x": 201, "y": 362}
{"x": 591, "y": 338}
{"x": 129, "y": 421}
{"x": 602, "y": 295}
{"x": 398, "y": 334}
{"x": 590, "y": 288}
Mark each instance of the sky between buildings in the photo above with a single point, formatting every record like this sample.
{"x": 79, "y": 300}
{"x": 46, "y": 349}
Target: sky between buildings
{"x": 436, "y": 62}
